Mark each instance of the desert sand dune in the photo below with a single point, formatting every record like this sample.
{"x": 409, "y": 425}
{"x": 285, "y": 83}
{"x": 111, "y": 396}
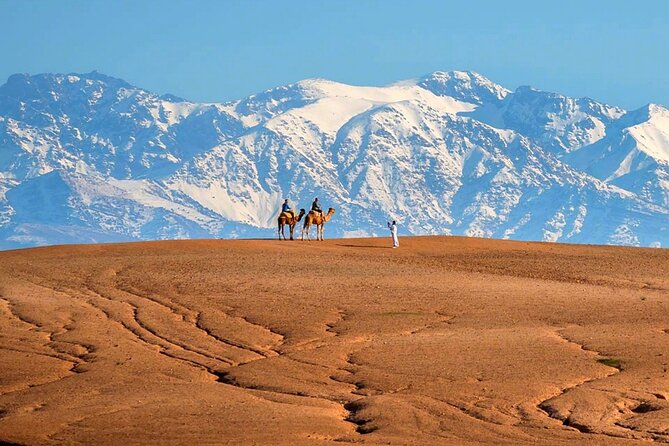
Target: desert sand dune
{"x": 444, "y": 341}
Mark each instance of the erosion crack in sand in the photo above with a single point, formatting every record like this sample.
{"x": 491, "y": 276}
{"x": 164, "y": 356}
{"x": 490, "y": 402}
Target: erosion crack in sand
{"x": 545, "y": 405}
{"x": 445, "y": 341}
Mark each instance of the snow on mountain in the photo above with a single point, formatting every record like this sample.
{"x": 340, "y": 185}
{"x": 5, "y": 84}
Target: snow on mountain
{"x": 87, "y": 157}
{"x": 97, "y": 123}
{"x": 634, "y": 155}
{"x": 558, "y": 123}
{"x": 463, "y": 85}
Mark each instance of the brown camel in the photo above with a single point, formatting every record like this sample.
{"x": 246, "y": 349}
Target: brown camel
{"x": 315, "y": 218}
{"x": 287, "y": 218}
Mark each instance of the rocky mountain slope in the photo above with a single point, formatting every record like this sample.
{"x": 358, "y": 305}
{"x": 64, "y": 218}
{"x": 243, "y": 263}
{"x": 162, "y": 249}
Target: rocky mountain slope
{"x": 91, "y": 158}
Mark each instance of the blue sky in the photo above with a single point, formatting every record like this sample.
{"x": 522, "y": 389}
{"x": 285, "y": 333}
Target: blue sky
{"x": 614, "y": 51}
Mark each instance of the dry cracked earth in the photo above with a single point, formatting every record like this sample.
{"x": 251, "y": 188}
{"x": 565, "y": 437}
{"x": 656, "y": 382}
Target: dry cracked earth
{"x": 444, "y": 341}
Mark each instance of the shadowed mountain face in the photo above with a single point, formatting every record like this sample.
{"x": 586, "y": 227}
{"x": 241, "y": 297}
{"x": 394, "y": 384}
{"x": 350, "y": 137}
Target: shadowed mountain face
{"x": 87, "y": 157}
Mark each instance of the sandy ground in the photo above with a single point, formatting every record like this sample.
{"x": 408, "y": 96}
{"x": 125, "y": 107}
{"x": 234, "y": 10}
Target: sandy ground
{"x": 443, "y": 341}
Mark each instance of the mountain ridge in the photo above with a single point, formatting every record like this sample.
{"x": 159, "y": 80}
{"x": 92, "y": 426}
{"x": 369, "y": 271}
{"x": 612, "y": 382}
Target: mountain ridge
{"x": 445, "y": 153}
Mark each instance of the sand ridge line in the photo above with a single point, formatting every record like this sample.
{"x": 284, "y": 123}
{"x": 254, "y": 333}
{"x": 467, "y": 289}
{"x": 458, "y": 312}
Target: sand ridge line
{"x": 246, "y": 319}
{"x": 162, "y": 346}
{"x": 445, "y": 320}
{"x": 542, "y": 405}
{"x": 174, "y": 343}
{"x": 350, "y": 415}
{"x": 53, "y": 436}
{"x": 240, "y": 345}
{"x": 76, "y": 360}
{"x": 350, "y": 405}
{"x": 63, "y": 356}
{"x": 191, "y": 319}
{"x": 72, "y": 371}
{"x": 364, "y": 425}
{"x": 226, "y": 378}
{"x": 79, "y": 358}
{"x": 438, "y": 416}
{"x": 178, "y": 343}
{"x": 187, "y": 314}
{"x": 550, "y": 411}
{"x": 354, "y": 406}
{"x": 466, "y": 409}
{"x": 195, "y": 318}
{"x": 341, "y": 315}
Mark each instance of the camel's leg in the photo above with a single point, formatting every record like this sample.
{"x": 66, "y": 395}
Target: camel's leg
{"x": 292, "y": 229}
{"x": 279, "y": 231}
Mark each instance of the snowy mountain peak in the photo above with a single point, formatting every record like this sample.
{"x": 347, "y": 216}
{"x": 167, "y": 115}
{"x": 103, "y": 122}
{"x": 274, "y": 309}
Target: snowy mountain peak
{"x": 560, "y": 124}
{"x": 561, "y": 102}
{"x": 33, "y": 94}
{"x": 634, "y": 154}
{"x": 88, "y": 157}
{"x": 467, "y": 86}
{"x": 641, "y": 115}
{"x": 652, "y": 133}
{"x": 26, "y": 84}
{"x": 656, "y": 111}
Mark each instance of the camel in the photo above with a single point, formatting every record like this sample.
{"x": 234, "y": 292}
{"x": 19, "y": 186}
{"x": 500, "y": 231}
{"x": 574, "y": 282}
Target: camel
{"x": 289, "y": 219}
{"x": 316, "y": 219}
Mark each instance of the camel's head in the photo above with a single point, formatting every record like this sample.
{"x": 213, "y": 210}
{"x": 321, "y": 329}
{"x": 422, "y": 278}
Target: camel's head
{"x": 331, "y": 211}
{"x": 299, "y": 217}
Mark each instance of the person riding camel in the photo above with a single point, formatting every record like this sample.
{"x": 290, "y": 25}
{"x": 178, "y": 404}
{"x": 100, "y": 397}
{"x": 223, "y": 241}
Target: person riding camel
{"x": 316, "y": 207}
{"x": 287, "y": 209}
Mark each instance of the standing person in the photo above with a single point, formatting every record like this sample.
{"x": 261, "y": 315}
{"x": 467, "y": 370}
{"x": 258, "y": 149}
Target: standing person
{"x": 316, "y": 207}
{"x": 393, "y": 233}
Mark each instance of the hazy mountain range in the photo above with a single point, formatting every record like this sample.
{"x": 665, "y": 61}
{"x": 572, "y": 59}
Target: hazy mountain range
{"x": 91, "y": 158}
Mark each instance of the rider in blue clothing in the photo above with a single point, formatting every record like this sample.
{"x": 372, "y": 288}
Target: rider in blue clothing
{"x": 286, "y": 208}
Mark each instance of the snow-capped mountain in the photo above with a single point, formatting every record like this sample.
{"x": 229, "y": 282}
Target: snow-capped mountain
{"x": 87, "y": 157}
{"x": 634, "y": 155}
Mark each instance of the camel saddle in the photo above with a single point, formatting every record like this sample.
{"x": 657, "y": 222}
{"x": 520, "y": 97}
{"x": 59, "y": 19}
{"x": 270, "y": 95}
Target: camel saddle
{"x": 287, "y": 214}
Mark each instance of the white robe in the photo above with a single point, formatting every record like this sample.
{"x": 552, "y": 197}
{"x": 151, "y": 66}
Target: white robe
{"x": 393, "y": 234}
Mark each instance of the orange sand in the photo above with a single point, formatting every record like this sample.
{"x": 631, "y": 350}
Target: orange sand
{"x": 443, "y": 341}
